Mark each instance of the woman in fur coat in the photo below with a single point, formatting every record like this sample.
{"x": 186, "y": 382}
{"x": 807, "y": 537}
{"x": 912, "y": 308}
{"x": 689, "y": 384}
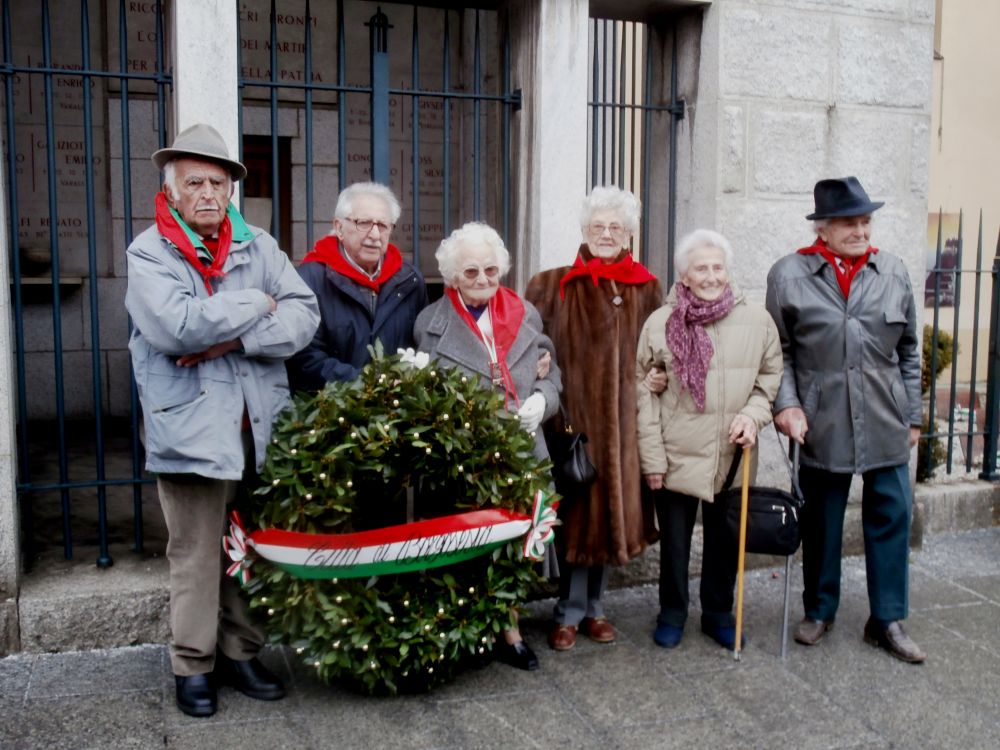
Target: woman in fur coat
{"x": 593, "y": 311}
{"x": 488, "y": 331}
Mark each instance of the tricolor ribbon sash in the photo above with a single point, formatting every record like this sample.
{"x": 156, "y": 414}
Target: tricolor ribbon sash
{"x": 235, "y": 546}
{"x": 404, "y": 548}
{"x": 542, "y": 531}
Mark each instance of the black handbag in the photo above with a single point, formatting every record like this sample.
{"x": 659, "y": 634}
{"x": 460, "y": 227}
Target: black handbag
{"x": 772, "y": 514}
{"x": 572, "y": 469}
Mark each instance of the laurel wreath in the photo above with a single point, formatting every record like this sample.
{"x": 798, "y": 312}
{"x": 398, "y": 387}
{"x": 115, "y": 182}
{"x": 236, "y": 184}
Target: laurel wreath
{"x": 342, "y": 460}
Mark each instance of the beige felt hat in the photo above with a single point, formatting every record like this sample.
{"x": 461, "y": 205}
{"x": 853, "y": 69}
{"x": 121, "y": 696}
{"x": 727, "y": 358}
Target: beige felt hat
{"x": 200, "y": 141}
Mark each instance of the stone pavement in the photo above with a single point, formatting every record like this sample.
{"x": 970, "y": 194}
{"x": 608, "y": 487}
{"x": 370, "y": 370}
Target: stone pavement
{"x": 631, "y": 694}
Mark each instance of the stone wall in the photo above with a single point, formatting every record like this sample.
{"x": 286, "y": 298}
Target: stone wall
{"x": 792, "y": 91}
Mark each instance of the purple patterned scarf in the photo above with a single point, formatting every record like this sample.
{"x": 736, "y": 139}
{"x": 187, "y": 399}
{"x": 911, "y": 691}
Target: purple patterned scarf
{"x": 689, "y": 342}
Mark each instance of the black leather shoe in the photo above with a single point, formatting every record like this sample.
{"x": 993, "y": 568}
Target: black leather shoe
{"x": 250, "y": 677}
{"x": 809, "y": 632}
{"x": 517, "y": 655}
{"x": 893, "y": 639}
{"x": 196, "y": 695}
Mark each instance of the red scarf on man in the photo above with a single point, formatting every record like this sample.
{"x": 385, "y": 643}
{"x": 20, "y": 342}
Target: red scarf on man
{"x": 626, "y": 270}
{"x": 327, "y": 252}
{"x": 169, "y": 227}
{"x": 852, "y": 265}
{"x": 506, "y": 311}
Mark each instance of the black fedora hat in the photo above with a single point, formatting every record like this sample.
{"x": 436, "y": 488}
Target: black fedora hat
{"x": 842, "y": 196}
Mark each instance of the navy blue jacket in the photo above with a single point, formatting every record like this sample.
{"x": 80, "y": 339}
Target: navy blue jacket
{"x": 351, "y": 319}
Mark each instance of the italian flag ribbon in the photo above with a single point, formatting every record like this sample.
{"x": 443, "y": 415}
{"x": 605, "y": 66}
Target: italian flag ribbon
{"x": 234, "y": 544}
{"x": 404, "y": 548}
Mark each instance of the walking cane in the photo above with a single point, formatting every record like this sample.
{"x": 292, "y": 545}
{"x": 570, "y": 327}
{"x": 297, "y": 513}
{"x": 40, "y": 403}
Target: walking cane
{"x": 744, "y": 502}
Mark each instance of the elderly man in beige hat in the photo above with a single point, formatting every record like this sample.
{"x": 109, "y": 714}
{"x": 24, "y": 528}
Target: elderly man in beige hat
{"x": 217, "y": 307}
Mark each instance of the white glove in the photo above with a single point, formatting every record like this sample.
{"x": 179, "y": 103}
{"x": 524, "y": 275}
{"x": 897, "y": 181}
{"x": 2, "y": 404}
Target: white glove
{"x": 531, "y": 412}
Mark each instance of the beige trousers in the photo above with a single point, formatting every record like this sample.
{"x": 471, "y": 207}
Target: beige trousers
{"x": 206, "y": 610}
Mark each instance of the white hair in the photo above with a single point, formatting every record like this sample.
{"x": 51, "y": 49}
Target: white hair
{"x": 345, "y": 201}
{"x": 170, "y": 177}
{"x": 700, "y": 238}
{"x": 609, "y": 198}
{"x": 449, "y": 252}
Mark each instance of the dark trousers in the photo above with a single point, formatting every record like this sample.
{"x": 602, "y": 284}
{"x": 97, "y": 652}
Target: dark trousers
{"x": 676, "y": 514}
{"x": 886, "y": 508}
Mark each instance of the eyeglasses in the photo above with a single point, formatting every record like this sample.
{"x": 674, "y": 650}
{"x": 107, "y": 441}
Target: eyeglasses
{"x": 365, "y": 225}
{"x": 597, "y": 230}
{"x": 472, "y": 272}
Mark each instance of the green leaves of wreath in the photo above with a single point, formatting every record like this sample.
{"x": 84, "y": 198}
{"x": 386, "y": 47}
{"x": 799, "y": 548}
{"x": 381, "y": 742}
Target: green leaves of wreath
{"x": 342, "y": 461}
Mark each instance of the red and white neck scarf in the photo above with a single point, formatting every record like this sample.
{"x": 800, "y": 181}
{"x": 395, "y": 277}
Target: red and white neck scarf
{"x": 506, "y": 312}
{"x": 171, "y": 226}
{"x": 626, "y": 270}
{"x": 845, "y": 268}
{"x": 327, "y": 251}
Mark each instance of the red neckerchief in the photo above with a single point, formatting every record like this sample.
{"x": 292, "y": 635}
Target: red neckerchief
{"x": 170, "y": 228}
{"x": 506, "y": 311}
{"x": 327, "y": 252}
{"x": 844, "y": 278}
{"x": 626, "y": 270}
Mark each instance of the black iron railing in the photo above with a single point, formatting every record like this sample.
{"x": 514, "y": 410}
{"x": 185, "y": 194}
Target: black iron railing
{"x": 625, "y": 142}
{"x": 962, "y": 406}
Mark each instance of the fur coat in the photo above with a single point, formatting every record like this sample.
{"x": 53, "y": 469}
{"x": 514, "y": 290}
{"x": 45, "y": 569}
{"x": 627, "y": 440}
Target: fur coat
{"x": 595, "y": 343}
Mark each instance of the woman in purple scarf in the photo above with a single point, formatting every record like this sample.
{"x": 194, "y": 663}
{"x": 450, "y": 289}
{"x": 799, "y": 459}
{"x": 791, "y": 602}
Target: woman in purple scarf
{"x": 723, "y": 362}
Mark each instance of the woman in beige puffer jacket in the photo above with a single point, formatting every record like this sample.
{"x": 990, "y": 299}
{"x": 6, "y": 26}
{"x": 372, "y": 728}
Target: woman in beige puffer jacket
{"x": 723, "y": 362}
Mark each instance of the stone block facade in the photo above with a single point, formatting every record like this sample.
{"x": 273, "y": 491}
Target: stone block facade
{"x": 791, "y": 91}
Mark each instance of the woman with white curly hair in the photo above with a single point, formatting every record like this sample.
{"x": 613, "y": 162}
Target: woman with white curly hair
{"x": 487, "y": 330}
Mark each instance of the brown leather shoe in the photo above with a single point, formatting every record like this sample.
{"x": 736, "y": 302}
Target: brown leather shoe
{"x": 894, "y": 640}
{"x": 562, "y": 637}
{"x": 809, "y": 632}
{"x": 598, "y": 629}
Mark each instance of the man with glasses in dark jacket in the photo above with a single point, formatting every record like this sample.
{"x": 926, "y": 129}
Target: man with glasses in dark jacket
{"x": 366, "y": 291}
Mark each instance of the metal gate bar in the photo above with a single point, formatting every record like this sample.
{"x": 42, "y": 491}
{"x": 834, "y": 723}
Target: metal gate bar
{"x": 26, "y": 487}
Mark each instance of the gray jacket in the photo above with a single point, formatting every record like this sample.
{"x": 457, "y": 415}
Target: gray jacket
{"x": 852, "y": 364}
{"x": 193, "y": 415}
{"x": 440, "y": 332}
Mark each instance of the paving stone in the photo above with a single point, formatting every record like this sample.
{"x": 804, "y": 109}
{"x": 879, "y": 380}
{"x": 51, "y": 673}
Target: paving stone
{"x": 14, "y": 677}
{"x": 719, "y": 733}
{"x": 985, "y": 586}
{"x": 123, "y": 720}
{"x": 279, "y": 732}
{"x": 96, "y": 672}
{"x": 928, "y": 592}
{"x": 351, "y": 721}
{"x": 604, "y": 687}
{"x": 532, "y": 720}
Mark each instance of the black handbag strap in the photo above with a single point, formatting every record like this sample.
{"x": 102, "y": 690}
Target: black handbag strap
{"x": 567, "y": 426}
{"x": 792, "y": 465}
{"x": 731, "y": 474}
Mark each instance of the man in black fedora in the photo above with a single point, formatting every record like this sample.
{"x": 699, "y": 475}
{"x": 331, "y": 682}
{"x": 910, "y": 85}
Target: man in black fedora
{"x": 217, "y": 307}
{"x": 850, "y": 395}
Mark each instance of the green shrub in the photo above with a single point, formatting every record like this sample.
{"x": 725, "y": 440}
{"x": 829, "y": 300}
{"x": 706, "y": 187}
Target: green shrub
{"x": 947, "y": 349}
{"x": 939, "y": 453}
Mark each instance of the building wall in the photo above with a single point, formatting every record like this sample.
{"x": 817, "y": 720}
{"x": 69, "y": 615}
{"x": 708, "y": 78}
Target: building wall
{"x": 792, "y": 91}
{"x": 965, "y": 149}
